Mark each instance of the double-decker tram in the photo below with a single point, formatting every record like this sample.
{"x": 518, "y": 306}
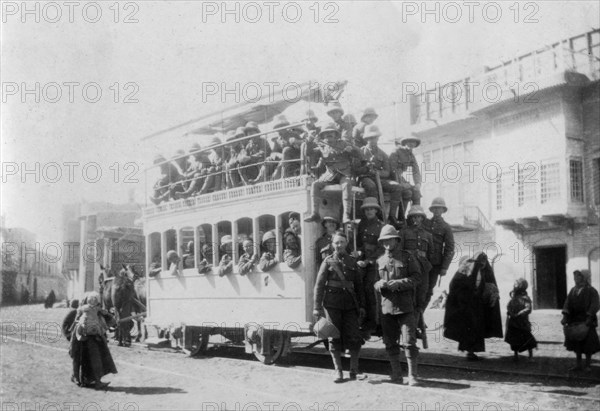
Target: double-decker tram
{"x": 235, "y": 258}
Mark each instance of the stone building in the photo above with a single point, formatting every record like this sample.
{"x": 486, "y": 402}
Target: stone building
{"x": 515, "y": 151}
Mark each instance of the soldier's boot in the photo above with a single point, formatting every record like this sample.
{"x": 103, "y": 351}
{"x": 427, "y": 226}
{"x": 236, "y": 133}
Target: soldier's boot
{"x": 412, "y": 355}
{"x": 336, "y": 356}
{"x": 396, "y": 375}
{"x": 314, "y": 217}
{"x": 354, "y": 372}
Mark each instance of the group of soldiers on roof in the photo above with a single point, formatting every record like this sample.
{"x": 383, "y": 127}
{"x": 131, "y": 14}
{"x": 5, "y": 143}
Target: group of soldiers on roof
{"x": 388, "y": 279}
{"x": 340, "y": 152}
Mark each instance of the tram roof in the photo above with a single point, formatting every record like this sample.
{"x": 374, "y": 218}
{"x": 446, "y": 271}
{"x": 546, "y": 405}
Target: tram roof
{"x": 261, "y": 111}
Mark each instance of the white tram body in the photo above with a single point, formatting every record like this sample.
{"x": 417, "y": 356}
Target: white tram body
{"x": 280, "y": 300}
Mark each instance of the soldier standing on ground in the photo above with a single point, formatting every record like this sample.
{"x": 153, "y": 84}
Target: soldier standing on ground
{"x": 339, "y": 296}
{"x": 369, "y": 250}
{"x": 443, "y": 244}
{"x": 399, "y": 275}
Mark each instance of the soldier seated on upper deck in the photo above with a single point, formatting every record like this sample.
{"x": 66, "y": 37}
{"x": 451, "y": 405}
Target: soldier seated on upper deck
{"x": 400, "y": 160}
{"x": 369, "y": 115}
{"x": 198, "y": 176}
{"x": 237, "y": 152}
{"x": 272, "y": 160}
{"x": 216, "y": 158}
{"x": 336, "y": 156}
{"x": 336, "y": 112}
{"x": 291, "y": 141}
{"x": 308, "y": 156}
{"x": 257, "y": 150}
{"x": 268, "y": 258}
{"x": 161, "y": 187}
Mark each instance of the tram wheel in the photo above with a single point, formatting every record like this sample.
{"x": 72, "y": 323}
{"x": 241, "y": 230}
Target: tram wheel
{"x": 195, "y": 341}
{"x": 278, "y": 343}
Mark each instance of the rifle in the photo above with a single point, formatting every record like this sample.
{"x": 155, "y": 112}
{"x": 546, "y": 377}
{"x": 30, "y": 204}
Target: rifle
{"x": 421, "y": 325}
{"x": 380, "y": 193}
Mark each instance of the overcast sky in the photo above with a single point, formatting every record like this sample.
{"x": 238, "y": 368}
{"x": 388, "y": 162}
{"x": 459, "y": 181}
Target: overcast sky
{"x": 161, "y": 59}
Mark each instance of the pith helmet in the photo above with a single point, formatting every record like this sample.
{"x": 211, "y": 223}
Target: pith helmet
{"x": 159, "y": 158}
{"x": 416, "y": 210}
{"x": 178, "y": 154}
{"x": 195, "y": 148}
{"x": 413, "y": 139}
{"x": 370, "y": 202}
{"x": 332, "y": 219}
{"x": 230, "y": 135}
{"x": 226, "y": 239}
{"x": 310, "y": 116}
{"x": 240, "y": 132}
{"x": 350, "y": 119}
{"x": 251, "y": 126}
{"x": 372, "y": 131}
{"x": 369, "y": 111}
{"x": 215, "y": 141}
{"x": 329, "y": 127}
{"x": 325, "y": 329}
{"x": 335, "y": 106}
{"x": 387, "y": 232}
{"x": 269, "y": 235}
{"x": 438, "y": 202}
{"x": 280, "y": 121}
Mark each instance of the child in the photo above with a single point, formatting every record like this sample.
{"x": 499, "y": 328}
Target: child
{"x": 518, "y": 327}
{"x": 89, "y": 321}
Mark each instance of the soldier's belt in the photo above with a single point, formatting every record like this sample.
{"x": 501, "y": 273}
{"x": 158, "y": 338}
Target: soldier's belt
{"x": 340, "y": 284}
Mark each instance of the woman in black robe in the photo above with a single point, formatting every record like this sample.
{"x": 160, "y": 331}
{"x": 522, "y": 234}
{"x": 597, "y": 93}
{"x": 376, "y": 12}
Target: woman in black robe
{"x": 91, "y": 357}
{"x": 473, "y": 309}
{"x": 581, "y": 306}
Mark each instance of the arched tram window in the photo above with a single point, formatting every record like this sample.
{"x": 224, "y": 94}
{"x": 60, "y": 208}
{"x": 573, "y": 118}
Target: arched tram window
{"x": 187, "y": 247}
{"x": 154, "y": 249}
{"x": 266, "y": 223}
{"x": 205, "y": 244}
{"x": 170, "y": 245}
{"x": 224, "y": 240}
{"x": 245, "y": 231}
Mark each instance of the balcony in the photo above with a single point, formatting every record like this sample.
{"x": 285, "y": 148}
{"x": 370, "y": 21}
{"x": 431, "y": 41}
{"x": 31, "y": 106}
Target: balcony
{"x": 574, "y": 61}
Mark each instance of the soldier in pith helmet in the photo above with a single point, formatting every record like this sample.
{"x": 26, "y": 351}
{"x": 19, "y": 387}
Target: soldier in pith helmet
{"x": 399, "y": 277}
{"x": 336, "y": 156}
{"x": 268, "y": 258}
{"x": 400, "y": 161}
{"x": 379, "y": 164}
{"x": 443, "y": 244}
{"x": 198, "y": 174}
{"x": 368, "y": 251}
{"x": 339, "y": 296}
{"x": 161, "y": 187}
{"x": 216, "y": 158}
{"x": 369, "y": 115}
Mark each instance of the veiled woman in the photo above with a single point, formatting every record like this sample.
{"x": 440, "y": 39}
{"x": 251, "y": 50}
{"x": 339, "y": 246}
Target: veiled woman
{"x": 91, "y": 357}
{"x": 581, "y": 306}
{"x": 473, "y": 309}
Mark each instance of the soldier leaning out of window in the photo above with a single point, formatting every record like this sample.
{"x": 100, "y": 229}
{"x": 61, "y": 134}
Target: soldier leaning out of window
{"x": 249, "y": 259}
{"x": 268, "y": 258}
{"x": 226, "y": 263}
{"x": 291, "y": 254}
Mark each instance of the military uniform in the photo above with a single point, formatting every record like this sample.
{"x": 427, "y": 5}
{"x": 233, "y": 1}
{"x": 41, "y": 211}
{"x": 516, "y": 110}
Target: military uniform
{"x": 366, "y": 240}
{"x": 442, "y": 250}
{"x": 380, "y": 165}
{"x": 246, "y": 263}
{"x": 417, "y": 241}
{"x": 338, "y": 170}
{"x": 323, "y": 247}
{"x": 357, "y": 134}
{"x": 400, "y": 276}
{"x": 400, "y": 160}
{"x": 341, "y": 297}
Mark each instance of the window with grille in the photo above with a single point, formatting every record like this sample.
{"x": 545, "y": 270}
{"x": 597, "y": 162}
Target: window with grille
{"x": 550, "y": 182}
{"x": 576, "y": 175}
{"x": 526, "y": 187}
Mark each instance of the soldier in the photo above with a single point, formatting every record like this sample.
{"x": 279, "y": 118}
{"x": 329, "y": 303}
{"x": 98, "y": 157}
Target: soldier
{"x": 369, "y": 115}
{"x": 198, "y": 173}
{"x": 443, "y": 244}
{"x": 268, "y": 259}
{"x": 187, "y": 259}
{"x": 292, "y": 254}
{"x": 257, "y": 149}
{"x": 417, "y": 241}
{"x": 399, "y": 277}
{"x": 278, "y": 141}
{"x": 368, "y": 252}
{"x": 294, "y": 222}
{"x": 380, "y": 164}
{"x": 205, "y": 266}
{"x": 323, "y": 245}
{"x": 336, "y": 156}
{"x": 339, "y": 296}
{"x": 249, "y": 259}
{"x": 336, "y": 112}
{"x": 237, "y": 153}
{"x": 400, "y": 160}
{"x": 161, "y": 187}
{"x": 226, "y": 263}
{"x": 216, "y": 158}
